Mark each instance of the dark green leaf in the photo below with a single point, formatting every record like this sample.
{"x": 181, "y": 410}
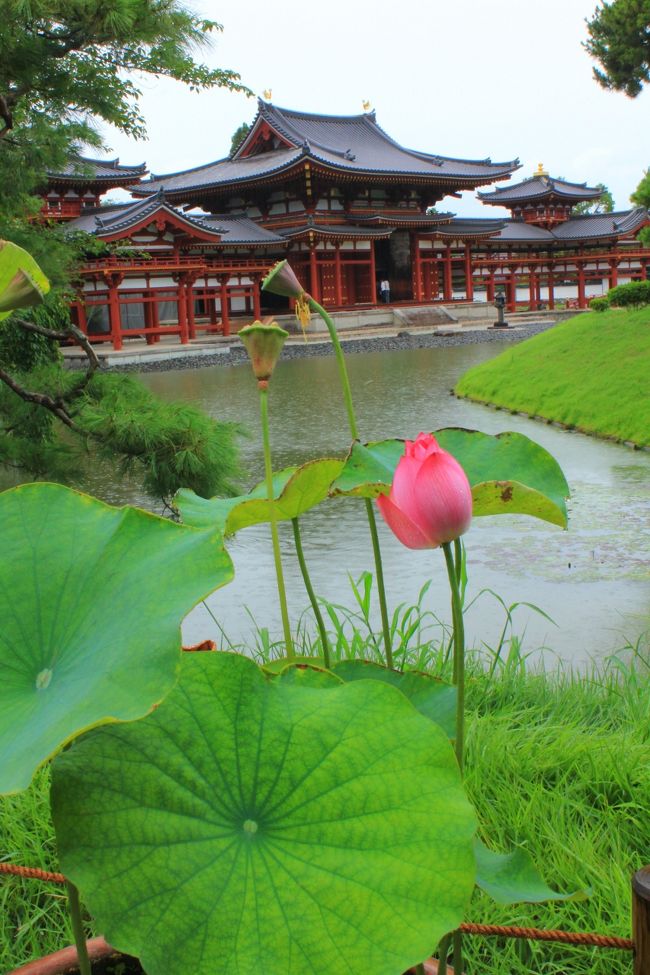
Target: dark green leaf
{"x": 511, "y": 878}
{"x": 430, "y": 696}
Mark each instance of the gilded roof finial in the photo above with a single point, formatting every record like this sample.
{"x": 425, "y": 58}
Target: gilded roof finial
{"x": 540, "y": 171}
{"x": 267, "y": 94}
{"x": 366, "y": 105}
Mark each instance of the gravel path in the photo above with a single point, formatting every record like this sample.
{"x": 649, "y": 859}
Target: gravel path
{"x": 376, "y": 343}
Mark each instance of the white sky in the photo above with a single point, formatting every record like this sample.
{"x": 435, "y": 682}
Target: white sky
{"x": 466, "y": 78}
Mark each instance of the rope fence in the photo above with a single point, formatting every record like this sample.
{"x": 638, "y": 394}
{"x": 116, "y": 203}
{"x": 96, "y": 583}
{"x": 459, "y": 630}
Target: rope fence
{"x": 483, "y": 930}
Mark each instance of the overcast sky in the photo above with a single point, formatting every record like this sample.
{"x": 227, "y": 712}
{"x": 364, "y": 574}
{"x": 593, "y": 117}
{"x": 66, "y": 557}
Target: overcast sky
{"x": 465, "y": 78}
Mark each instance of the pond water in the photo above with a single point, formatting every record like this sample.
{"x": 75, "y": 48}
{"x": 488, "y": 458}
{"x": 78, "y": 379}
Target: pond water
{"x": 593, "y": 580}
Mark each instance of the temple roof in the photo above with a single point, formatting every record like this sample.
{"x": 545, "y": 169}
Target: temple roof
{"x": 592, "y": 226}
{"x": 340, "y": 231}
{"x": 538, "y": 188}
{"x": 353, "y": 145}
{"x": 83, "y": 170}
{"x": 120, "y": 220}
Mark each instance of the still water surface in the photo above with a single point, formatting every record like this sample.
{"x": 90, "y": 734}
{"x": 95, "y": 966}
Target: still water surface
{"x": 594, "y": 580}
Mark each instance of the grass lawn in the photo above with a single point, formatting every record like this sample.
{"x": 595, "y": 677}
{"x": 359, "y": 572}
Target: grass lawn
{"x": 557, "y": 763}
{"x": 591, "y": 372}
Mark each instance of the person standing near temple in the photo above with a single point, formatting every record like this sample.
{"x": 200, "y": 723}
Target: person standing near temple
{"x": 384, "y": 290}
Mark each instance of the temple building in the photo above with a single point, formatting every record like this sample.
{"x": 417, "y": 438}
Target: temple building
{"x": 349, "y": 207}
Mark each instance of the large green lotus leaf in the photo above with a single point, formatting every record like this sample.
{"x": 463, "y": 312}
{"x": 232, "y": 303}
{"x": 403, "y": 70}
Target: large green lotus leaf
{"x": 512, "y": 878}
{"x": 432, "y": 697}
{"x": 295, "y": 489}
{"x": 253, "y": 825}
{"x": 91, "y": 601}
{"x": 509, "y": 473}
{"x": 369, "y": 469}
{"x": 22, "y": 283}
{"x": 308, "y": 674}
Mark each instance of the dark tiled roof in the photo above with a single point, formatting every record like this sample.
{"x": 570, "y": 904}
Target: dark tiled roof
{"x": 86, "y": 170}
{"x": 108, "y": 221}
{"x": 528, "y": 233}
{"x": 477, "y": 227}
{"x": 337, "y": 230}
{"x": 353, "y": 144}
{"x": 406, "y": 219}
{"x": 590, "y": 227}
{"x": 221, "y": 172}
{"x": 237, "y": 229}
{"x": 356, "y": 142}
{"x": 540, "y": 187}
{"x": 602, "y": 225}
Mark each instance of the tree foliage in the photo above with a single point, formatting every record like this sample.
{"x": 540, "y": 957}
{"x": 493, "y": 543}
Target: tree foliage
{"x": 635, "y": 294}
{"x": 238, "y": 137}
{"x": 604, "y": 204}
{"x": 65, "y": 65}
{"x": 641, "y": 195}
{"x": 619, "y": 39}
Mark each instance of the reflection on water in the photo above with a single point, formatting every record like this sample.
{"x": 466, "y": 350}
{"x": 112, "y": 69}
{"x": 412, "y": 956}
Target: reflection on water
{"x": 594, "y": 580}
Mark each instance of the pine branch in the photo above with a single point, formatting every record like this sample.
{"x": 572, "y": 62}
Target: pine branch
{"x": 55, "y": 406}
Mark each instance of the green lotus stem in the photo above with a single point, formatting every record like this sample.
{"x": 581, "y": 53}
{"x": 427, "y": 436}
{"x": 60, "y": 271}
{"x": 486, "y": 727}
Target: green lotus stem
{"x": 310, "y": 592}
{"x": 459, "y": 681}
{"x": 352, "y": 421}
{"x": 282, "y": 593}
{"x": 458, "y": 952}
{"x": 459, "y": 653}
{"x": 443, "y": 951}
{"x": 74, "y": 908}
{"x": 419, "y": 969}
{"x": 381, "y": 588}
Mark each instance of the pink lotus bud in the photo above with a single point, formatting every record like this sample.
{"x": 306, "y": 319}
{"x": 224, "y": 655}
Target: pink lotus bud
{"x": 430, "y": 500}
{"x": 264, "y": 345}
{"x": 281, "y": 280}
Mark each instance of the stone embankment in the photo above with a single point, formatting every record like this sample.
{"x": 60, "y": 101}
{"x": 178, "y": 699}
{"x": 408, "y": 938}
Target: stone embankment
{"x": 230, "y": 351}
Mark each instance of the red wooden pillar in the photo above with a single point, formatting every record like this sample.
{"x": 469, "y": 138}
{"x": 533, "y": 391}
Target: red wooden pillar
{"x": 582, "y": 299}
{"x": 189, "y": 306}
{"x": 338, "y": 282}
{"x": 418, "y": 292}
{"x": 257, "y": 304}
{"x": 373, "y": 275}
{"x": 491, "y": 290}
{"x": 211, "y": 300}
{"x": 613, "y": 272}
{"x": 469, "y": 284}
{"x": 181, "y": 304}
{"x": 155, "y": 317}
{"x": 223, "y": 300}
{"x": 82, "y": 321}
{"x": 643, "y": 270}
{"x": 447, "y": 284}
{"x": 114, "y": 317}
{"x": 148, "y": 320}
{"x": 532, "y": 291}
{"x": 313, "y": 274}
{"x": 512, "y": 292}
{"x": 551, "y": 289}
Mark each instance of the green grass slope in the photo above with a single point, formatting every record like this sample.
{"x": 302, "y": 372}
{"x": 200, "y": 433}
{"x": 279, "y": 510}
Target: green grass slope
{"x": 591, "y": 372}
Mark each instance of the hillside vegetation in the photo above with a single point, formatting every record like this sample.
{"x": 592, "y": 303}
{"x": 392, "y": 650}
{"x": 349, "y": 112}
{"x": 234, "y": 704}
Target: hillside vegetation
{"x": 591, "y": 372}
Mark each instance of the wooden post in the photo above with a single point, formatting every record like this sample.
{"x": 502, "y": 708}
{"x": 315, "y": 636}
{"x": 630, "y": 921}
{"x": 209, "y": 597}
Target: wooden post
{"x": 114, "y": 311}
{"x": 532, "y": 291}
{"x": 373, "y": 275}
{"x": 313, "y": 274}
{"x": 223, "y": 301}
{"x": 582, "y": 298}
{"x": 491, "y": 290}
{"x": 613, "y": 273}
{"x": 189, "y": 306}
{"x": 469, "y": 284}
{"x": 551, "y": 290}
{"x": 181, "y": 305}
{"x": 257, "y": 303}
{"x": 447, "y": 280}
{"x": 338, "y": 283}
{"x": 641, "y": 920}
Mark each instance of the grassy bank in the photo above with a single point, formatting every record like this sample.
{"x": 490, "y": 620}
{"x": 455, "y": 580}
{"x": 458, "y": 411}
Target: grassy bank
{"x": 590, "y": 373}
{"x": 556, "y": 762}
